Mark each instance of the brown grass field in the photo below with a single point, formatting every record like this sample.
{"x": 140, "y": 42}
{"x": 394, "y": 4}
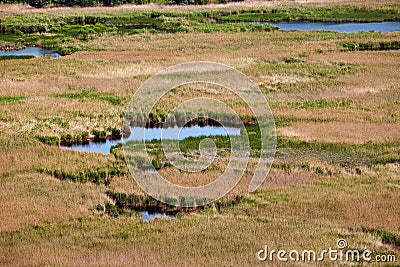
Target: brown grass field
{"x": 48, "y": 222}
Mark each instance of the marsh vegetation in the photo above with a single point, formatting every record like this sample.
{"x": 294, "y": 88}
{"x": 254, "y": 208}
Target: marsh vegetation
{"x": 336, "y": 171}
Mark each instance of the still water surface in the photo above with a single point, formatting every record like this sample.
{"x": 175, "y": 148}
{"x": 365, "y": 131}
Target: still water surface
{"x": 148, "y": 134}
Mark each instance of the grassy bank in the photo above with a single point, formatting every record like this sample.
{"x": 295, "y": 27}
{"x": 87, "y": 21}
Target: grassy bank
{"x": 65, "y": 33}
{"x": 304, "y": 13}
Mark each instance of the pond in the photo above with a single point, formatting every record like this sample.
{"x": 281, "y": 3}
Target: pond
{"x": 30, "y": 51}
{"x": 171, "y": 133}
{"x": 147, "y": 216}
{"x": 344, "y": 27}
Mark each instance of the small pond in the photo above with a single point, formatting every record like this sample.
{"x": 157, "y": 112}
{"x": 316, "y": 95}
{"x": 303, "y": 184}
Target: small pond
{"x": 345, "y": 27}
{"x": 172, "y": 133}
{"x": 30, "y": 51}
{"x": 147, "y": 217}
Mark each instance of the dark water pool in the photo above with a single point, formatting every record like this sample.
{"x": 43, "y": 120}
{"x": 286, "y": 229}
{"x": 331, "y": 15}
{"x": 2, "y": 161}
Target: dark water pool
{"x": 172, "y": 133}
{"x": 345, "y": 27}
{"x": 30, "y": 51}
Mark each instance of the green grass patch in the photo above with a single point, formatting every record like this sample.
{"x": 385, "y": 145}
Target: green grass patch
{"x": 322, "y": 103}
{"x": 369, "y": 46}
{"x": 92, "y": 95}
{"x": 385, "y": 160}
{"x": 387, "y": 237}
{"x": 312, "y": 104}
{"x": 283, "y": 121}
{"x": 95, "y": 176}
{"x": 11, "y": 99}
{"x": 48, "y": 140}
{"x": 15, "y": 57}
{"x": 305, "y": 13}
{"x": 81, "y": 31}
{"x": 370, "y": 150}
{"x": 66, "y": 50}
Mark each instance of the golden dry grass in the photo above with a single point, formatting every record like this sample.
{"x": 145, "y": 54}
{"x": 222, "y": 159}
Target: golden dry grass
{"x": 45, "y": 221}
{"x": 24, "y": 8}
{"x": 345, "y": 132}
{"x": 294, "y": 217}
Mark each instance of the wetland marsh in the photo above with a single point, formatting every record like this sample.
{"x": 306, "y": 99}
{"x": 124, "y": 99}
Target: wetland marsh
{"x": 334, "y": 96}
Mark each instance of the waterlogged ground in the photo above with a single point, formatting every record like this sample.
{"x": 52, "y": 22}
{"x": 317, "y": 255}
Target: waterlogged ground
{"x": 335, "y": 176}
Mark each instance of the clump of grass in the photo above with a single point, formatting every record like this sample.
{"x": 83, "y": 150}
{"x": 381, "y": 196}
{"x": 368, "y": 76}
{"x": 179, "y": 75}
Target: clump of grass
{"x": 48, "y": 140}
{"x": 318, "y": 170}
{"x": 306, "y": 13}
{"x": 226, "y": 203}
{"x": 66, "y": 50}
{"x": 15, "y": 57}
{"x": 282, "y": 166}
{"x": 95, "y": 176}
{"x": 117, "y": 146}
{"x": 81, "y": 31}
{"x": 385, "y": 160}
{"x": 11, "y": 99}
{"x": 322, "y": 103}
{"x": 113, "y": 211}
{"x": 115, "y": 132}
{"x": 387, "y": 237}
{"x": 289, "y": 60}
{"x": 370, "y": 150}
{"x": 69, "y": 139}
{"x": 92, "y": 95}
{"x": 60, "y": 122}
{"x": 306, "y": 166}
{"x": 365, "y": 46}
{"x": 156, "y": 163}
